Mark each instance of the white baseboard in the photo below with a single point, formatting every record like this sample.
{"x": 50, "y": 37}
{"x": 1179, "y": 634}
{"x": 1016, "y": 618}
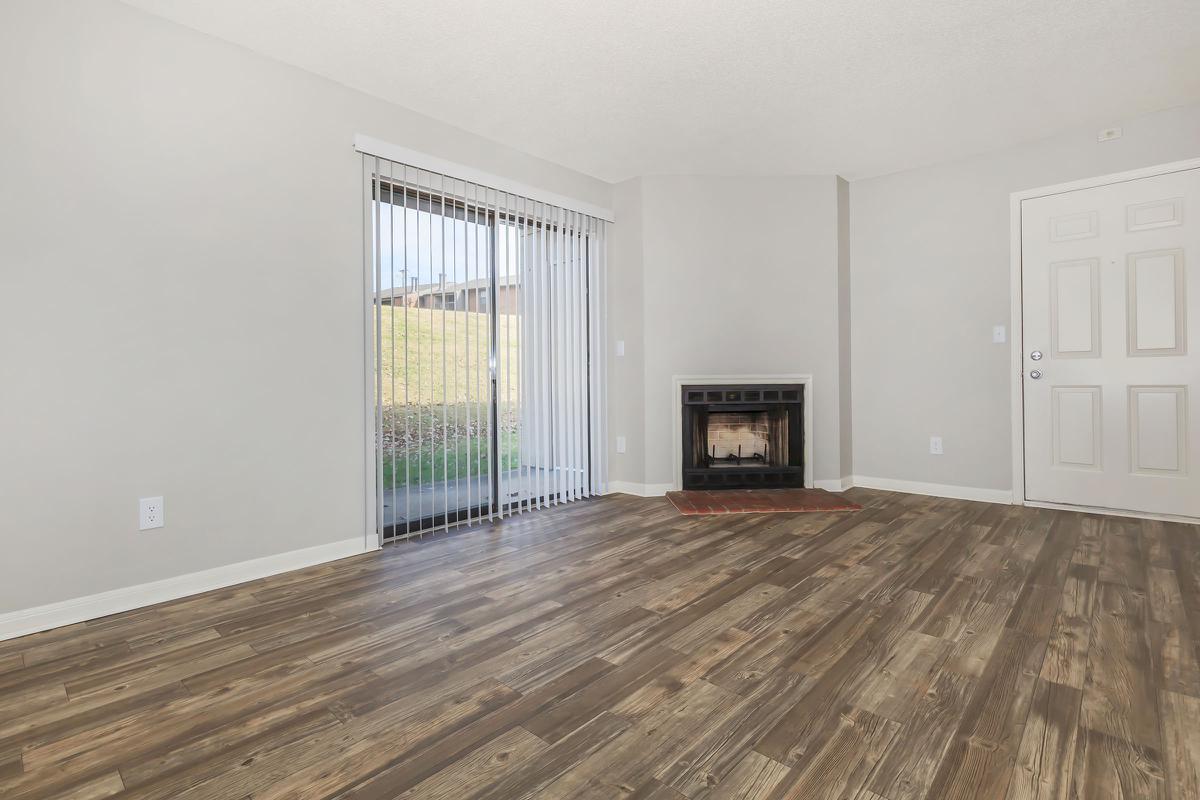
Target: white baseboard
{"x": 79, "y": 609}
{"x": 842, "y": 484}
{"x": 1113, "y": 512}
{"x": 639, "y": 489}
{"x": 660, "y": 489}
{"x": 934, "y": 489}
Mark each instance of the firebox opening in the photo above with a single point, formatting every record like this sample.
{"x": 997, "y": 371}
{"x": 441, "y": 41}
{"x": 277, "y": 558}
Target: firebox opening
{"x": 743, "y": 437}
{"x": 737, "y": 438}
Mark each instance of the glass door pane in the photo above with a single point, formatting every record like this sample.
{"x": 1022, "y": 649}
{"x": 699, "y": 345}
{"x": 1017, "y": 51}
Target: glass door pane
{"x": 513, "y": 426}
{"x": 435, "y": 245}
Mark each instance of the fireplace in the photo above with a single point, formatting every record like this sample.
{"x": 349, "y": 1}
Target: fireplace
{"x": 743, "y": 437}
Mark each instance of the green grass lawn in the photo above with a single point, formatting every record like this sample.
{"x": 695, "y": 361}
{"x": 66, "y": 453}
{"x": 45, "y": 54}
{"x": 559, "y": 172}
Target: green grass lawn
{"x": 442, "y": 356}
{"x": 455, "y": 459}
{"x": 439, "y": 427}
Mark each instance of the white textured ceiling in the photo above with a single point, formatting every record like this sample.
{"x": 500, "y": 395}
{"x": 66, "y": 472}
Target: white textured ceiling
{"x": 619, "y": 88}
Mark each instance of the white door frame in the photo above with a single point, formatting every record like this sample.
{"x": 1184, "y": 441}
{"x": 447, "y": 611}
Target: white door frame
{"x": 1017, "y": 350}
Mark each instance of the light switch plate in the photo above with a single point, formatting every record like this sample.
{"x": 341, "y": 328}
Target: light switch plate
{"x": 620, "y": 347}
{"x": 935, "y": 445}
{"x": 999, "y": 334}
{"x": 620, "y": 444}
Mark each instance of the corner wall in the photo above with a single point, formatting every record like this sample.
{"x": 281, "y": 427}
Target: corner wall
{"x": 845, "y": 404}
{"x": 626, "y": 310}
{"x": 738, "y": 275}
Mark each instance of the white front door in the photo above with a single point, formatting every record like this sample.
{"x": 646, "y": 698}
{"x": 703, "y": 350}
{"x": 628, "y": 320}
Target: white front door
{"x": 1111, "y": 345}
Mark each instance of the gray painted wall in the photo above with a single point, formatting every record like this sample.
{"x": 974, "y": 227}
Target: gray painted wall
{"x": 181, "y": 303}
{"x": 845, "y": 386}
{"x": 930, "y": 277}
{"x": 626, "y": 311}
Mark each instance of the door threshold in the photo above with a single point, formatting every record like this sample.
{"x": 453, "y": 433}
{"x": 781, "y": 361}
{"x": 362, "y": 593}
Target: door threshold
{"x": 1114, "y": 512}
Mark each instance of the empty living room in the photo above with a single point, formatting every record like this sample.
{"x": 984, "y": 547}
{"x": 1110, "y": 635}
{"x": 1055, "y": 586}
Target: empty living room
{"x": 609, "y": 400}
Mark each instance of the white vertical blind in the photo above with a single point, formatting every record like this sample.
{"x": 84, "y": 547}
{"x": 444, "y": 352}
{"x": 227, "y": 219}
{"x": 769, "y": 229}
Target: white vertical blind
{"x": 489, "y": 355}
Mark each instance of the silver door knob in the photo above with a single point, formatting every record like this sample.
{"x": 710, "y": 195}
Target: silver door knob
{"x": 1036, "y": 355}
{"x": 1035, "y": 374}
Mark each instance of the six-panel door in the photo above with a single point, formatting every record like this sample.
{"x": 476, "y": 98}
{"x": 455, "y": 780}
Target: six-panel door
{"x": 1111, "y": 360}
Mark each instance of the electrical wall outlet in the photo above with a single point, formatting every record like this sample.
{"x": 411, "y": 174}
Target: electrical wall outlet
{"x": 935, "y": 445}
{"x": 150, "y": 513}
{"x": 620, "y": 444}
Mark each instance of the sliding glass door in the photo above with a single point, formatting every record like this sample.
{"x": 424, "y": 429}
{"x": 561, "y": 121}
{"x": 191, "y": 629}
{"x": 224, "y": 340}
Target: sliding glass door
{"x": 435, "y": 344}
{"x": 486, "y": 324}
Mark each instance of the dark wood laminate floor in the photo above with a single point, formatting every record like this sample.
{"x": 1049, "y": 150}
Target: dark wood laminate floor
{"x": 614, "y": 649}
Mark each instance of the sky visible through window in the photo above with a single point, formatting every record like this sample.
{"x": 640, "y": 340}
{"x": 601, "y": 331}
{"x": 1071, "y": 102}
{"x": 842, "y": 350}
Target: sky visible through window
{"x": 436, "y": 244}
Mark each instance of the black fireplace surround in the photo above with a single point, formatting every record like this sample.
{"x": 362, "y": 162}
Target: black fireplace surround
{"x": 743, "y": 437}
